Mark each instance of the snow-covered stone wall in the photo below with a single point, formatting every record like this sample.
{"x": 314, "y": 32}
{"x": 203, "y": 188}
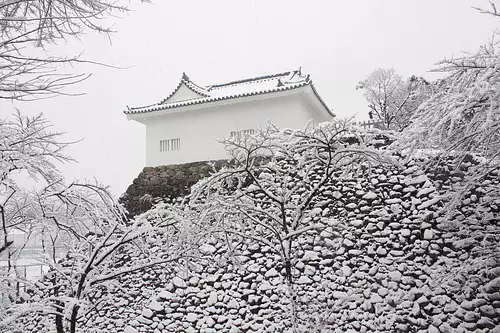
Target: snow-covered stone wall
{"x": 167, "y": 181}
{"x": 384, "y": 272}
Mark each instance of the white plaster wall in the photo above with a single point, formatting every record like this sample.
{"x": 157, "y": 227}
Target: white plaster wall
{"x": 199, "y": 130}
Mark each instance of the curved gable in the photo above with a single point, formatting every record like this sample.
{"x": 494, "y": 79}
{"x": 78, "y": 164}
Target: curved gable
{"x": 182, "y": 93}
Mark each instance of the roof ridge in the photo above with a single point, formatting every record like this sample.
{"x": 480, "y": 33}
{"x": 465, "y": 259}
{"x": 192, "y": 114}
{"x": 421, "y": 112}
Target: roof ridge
{"x": 257, "y": 78}
{"x": 197, "y": 88}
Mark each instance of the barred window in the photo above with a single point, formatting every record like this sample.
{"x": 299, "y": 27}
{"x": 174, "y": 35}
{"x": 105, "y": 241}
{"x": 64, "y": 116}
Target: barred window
{"x": 248, "y": 132}
{"x": 234, "y": 134}
{"x": 170, "y": 144}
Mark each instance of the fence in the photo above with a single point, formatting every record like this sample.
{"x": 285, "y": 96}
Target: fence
{"x": 370, "y": 124}
{"x": 28, "y": 255}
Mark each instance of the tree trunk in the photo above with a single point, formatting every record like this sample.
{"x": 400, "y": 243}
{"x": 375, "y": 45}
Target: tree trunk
{"x": 59, "y": 319}
{"x": 59, "y": 305}
{"x": 291, "y": 290}
{"x": 74, "y": 318}
{"x": 293, "y": 303}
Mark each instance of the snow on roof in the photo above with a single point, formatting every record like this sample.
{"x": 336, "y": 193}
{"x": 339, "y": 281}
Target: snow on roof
{"x": 241, "y": 88}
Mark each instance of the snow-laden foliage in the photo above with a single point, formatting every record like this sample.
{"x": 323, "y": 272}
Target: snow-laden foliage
{"x": 278, "y": 174}
{"x": 464, "y": 116}
{"x": 462, "y": 121}
{"x": 77, "y": 286}
{"x": 82, "y": 232}
{"x": 308, "y": 230}
{"x": 460, "y": 128}
{"x": 26, "y": 143}
{"x": 369, "y": 254}
{"x": 28, "y": 149}
{"x": 98, "y": 247}
{"x": 271, "y": 194}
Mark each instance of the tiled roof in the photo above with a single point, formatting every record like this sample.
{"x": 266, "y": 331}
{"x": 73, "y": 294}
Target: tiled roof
{"x": 235, "y": 89}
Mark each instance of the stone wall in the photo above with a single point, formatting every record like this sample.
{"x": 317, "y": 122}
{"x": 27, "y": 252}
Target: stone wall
{"x": 393, "y": 267}
{"x": 383, "y": 273}
{"x": 166, "y": 182}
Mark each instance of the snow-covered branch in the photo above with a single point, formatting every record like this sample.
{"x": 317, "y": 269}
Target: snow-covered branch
{"x": 27, "y": 27}
{"x": 270, "y": 193}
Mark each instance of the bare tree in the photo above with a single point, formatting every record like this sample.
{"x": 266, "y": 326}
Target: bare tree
{"x": 29, "y": 152}
{"x": 27, "y": 70}
{"x": 392, "y": 100}
{"x": 80, "y": 229}
{"x": 271, "y": 194}
{"x": 27, "y": 149}
{"x": 492, "y": 11}
{"x": 94, "y": 231}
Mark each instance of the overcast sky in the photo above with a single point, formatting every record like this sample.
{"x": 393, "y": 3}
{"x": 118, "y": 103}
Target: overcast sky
{"x": 338, "y": 42}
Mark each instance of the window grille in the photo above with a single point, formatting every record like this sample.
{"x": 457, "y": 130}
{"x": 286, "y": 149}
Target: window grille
{"x": 170, "y": 144}
{"x": 248, "y": 132}
{"x": 238, "y": 134}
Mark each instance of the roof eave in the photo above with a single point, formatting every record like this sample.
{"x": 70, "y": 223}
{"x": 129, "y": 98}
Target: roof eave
{"x": 233, "y": 100}
{"x": 320, "y": 100}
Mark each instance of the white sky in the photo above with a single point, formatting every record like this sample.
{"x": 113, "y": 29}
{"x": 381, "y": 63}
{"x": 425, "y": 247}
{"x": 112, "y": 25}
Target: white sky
{"x": 338, "y": 42}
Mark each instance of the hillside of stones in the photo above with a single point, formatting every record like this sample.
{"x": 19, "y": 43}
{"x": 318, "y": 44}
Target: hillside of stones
{"x": 395, "y": 266}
